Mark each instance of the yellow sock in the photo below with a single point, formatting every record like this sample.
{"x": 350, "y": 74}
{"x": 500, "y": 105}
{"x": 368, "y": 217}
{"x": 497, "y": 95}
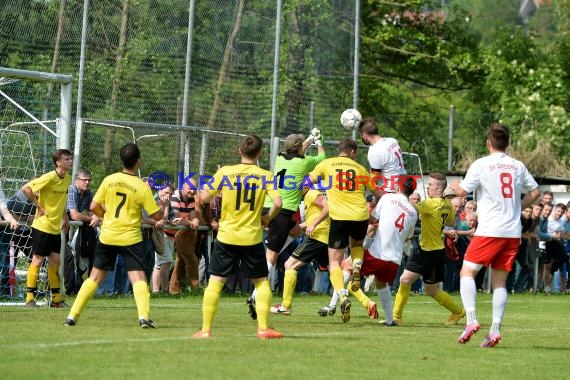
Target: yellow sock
{"x": 401, "y": 299}
{"x": 446, "y": 301}
{"x": 262, "y": 303}
{"x": 54, "y": 282}
{"x": 210, "y": 303}
{"x": 357, "y": 253}
{"x": 32, "y": 282}
{"x": 359, "y": 295}
{"x": 289, "y": 287}
{"x": 142, "y": 299}
{"x": 87, "y": 290}
{"x": 337, "y": 282}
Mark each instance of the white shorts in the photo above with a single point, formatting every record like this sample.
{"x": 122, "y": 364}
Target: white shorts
{"x": 168, "y": 254}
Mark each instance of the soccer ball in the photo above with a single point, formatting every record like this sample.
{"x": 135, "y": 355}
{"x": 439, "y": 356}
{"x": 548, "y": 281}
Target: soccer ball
{"x": 350, "y": 119}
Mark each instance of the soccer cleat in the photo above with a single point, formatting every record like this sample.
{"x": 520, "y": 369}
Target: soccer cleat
{"x": 280, "y": 309}
{"x": 355, "y": 284}
{"x": 269, "y": 333}
{"x": 251, "y": 307}
{"x": 454, "y": 318}
{"x": 69, "y": 322}
{"x": 58, "y": 305}
{"x": 345, "y": 310}
{"x": 147, "y": 324}
{"x": 31, "y": 303}
{"x": 327, "y": 310}
{"x": 469, "y": 331}
{"x": 491, "y": 340}
{"x": 371, "y": 310}
{"x": 385, "y": 323}
{"x": 202, "y": 334}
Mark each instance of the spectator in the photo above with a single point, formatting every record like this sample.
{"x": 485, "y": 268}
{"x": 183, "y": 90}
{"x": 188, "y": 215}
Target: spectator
{"x": 453, "y": 262}
{"x": 548, "y": 198}
{"x": 119, "y": 201}
{"x": 185, "y": 214}
{"x": 79, "y": 255}
{"x": 6, "y": 288}
{"x": 550, "y": 230}
{"x": 164, "y": 245}
{"x": 46, "y": 229}
{"x": 517, "y": 281}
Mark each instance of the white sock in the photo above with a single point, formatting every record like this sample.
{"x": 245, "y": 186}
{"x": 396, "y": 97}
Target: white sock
{"x": 346, "y": 276}
{"x": 271, "y": 270}
{"x": 499, "y": 305}
{"x": 334, "y": 299}
{"x": 386, "y": 301}
{"x": 468, "y": 291}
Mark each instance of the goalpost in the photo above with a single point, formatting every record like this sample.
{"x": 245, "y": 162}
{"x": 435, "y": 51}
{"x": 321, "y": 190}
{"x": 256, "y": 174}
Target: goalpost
{"x": 29, "y": 134}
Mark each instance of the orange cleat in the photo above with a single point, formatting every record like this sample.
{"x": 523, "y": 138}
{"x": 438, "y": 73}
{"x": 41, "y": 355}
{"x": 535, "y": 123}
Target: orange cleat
{"x": 202, "y": 334}
{"x": 269, "y": 333}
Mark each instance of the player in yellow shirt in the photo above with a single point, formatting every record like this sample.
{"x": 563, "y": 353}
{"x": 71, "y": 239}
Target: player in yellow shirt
{"x": 119, "y": 201}
{"x": 315, "y": 246}
{"x": 244, "y": 188}
{"x": 50, "y": 219}
{"x": 435, "y": 213}
{"x": 346, "y": 182}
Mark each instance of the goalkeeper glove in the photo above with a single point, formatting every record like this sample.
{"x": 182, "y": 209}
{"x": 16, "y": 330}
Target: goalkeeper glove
{"x": 316, "y": 133}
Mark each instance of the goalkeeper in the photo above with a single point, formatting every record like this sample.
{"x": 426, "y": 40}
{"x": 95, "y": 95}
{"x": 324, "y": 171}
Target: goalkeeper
{"x": 291, "y": 167}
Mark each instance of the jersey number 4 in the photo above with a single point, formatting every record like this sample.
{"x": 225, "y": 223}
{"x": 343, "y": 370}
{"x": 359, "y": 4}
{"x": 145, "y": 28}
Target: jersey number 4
{"x": 399, "y": 222}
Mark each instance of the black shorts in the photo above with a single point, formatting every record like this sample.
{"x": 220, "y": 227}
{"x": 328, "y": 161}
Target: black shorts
{"x": 341, "y": 230}
{"x": 225, "y": 259}
{"x": 106, "y": 256}
{"x": 430, "y": 264}
{"x": 43, "y": 243}
{"x": 278, "y": 229}
{"x": 554, "y": 254}
{"x": 311, "y": 249}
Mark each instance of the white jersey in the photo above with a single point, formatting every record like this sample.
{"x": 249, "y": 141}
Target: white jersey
{"x": 396, "y": 221}
{"x": 385, "y": 156}
{"x": 498, "y": 181}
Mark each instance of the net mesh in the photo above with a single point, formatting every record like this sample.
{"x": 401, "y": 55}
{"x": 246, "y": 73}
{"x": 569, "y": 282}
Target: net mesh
{"x": 25, "y": 150}
{"x": 135, "y": 67}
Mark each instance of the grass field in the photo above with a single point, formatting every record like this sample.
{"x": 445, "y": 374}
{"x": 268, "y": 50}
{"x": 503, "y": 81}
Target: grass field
{"x": 108, "y": 344}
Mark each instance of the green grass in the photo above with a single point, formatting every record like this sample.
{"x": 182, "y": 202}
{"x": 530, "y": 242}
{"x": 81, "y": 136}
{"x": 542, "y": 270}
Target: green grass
{"x": 108, "y": 344}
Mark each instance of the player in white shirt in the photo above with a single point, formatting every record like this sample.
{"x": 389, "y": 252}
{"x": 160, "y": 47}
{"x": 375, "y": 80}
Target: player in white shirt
{"x": 498, "y": 182}
{"x": 396, "y": 218}
{"x": 384, "y": 156}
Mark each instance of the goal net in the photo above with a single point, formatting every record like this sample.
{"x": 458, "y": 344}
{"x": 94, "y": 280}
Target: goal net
{"x": 27, "y": 142}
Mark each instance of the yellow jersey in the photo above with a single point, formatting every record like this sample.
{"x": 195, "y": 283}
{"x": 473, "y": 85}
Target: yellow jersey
{"x": 124, "y": 197}
{"x": 345, "y": 182}
{"x": 435, "y": 213}
{"x": 243, "y": 188}
{"x": 52, "y": 191}
{"x": 312, "y": 211}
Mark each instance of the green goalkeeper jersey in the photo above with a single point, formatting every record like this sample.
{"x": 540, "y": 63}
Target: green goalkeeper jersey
{"x": 290, "y": 172}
